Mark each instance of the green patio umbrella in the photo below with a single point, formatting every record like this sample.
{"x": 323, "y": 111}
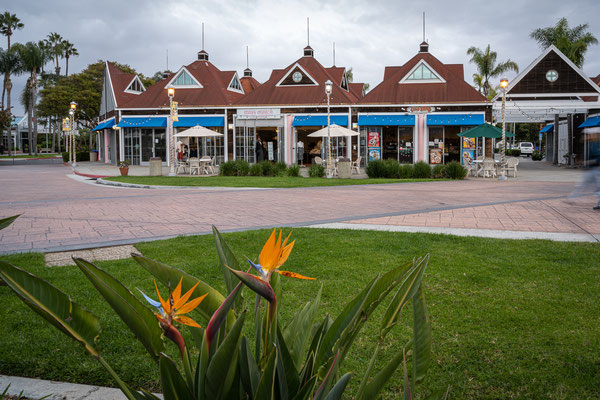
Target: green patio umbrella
{"x": 486, "y": 131}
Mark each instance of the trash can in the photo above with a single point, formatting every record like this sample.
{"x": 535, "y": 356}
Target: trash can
{"x": 155, "y": 166}
{"x": 344, "y": 168}
{"x": 94, "y": 155}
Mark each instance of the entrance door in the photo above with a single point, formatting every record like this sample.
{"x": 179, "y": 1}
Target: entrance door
{"x": 244, "y": 143}
{"x": 131, "y": 146}
{"x": 405, "y": 145}
{"x": 160, "y": 144}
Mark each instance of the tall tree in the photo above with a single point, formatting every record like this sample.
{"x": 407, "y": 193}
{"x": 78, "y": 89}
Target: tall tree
{"x": 10, "y": 64}
{"x": 46, "y": 48}
{"x": 68, "y": 51}
{"x": 55, "y": 42}
{"x": 8, "y": 24}
{"x": 573, "y": 42}
{"x": 32, "y": 58}
{"x": 485, "y": 61}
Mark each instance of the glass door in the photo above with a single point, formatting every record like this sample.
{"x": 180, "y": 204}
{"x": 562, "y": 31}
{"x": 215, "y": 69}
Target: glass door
{"x": 160, "y": 144}
{"x": 147, "y": 145}
{"x": 405, "y": 145}
{"x": 244, "y": 143}
{"x": 131, "y": 146}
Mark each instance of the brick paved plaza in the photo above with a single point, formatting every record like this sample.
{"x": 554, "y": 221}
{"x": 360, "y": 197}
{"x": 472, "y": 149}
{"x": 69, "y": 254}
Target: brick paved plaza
{"x": 59, "y": 212}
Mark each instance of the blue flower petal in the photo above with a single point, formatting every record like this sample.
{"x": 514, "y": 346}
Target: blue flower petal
{"x": 152, "y": 302}
{"x": 257, "y": 267}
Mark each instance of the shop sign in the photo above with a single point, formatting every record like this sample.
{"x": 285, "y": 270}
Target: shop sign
{"x": 259, "y": 113}
{"x": 420, "y": 110}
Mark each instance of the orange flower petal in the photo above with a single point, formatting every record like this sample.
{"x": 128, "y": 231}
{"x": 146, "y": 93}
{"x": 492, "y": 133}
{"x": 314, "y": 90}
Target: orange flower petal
{"x": 294, "y": 275}
{"x": 267, "y": 249}
{"x": 285, "y": 253}
{"x": 176, "y": 294}
{"x": 185, "y": 297}
{"x": 186, "y": 308}
{"x": 165, "y": 304}
{"x": 186, "y": 321}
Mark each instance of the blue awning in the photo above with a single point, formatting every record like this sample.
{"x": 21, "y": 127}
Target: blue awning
{"x": 104, "y": 125}
{"x": 188, "y": 122}
{"x": 455, "y": 119}
{"x": 319, "y": 120}
{"x": 592, "y": 121}
{"x": 386, "y": 120}
{"x": 548, "y": 128}
{"x": 143, "y": 122}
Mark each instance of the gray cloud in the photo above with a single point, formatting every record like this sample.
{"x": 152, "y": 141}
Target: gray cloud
{"x": 368, "y": 35}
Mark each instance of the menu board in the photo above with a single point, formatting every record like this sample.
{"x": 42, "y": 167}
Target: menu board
{"x": 374, "y": 146}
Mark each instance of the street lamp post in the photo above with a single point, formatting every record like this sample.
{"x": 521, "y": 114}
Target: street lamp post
{"x": 72, "y": 109}
{"x": 328, "y": 90}
{"x": 171, "y": 93}
{"x": 502, "y": 176}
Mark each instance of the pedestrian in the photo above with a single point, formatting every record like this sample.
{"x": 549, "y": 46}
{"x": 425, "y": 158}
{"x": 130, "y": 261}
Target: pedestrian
{"x": 591, "y": 179}
{"x": 259, "y": 150}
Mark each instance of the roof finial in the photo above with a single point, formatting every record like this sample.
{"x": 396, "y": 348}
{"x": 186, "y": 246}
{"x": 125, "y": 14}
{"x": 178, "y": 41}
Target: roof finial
{"x": 203, "y": 36}
{"x": 424, "y": 47}
{"x": 167, "y": 59}
{"x": 423, "y": 25}
{"x": 334, "y": 54}
{"x": 247, "y": 71}
{"x": 308, "y": 30}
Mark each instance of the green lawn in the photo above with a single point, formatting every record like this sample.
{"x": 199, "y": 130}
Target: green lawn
{"x": 510, "y": 319}
{"x": 253, "y": 181}
{"x": 40, "y": 155}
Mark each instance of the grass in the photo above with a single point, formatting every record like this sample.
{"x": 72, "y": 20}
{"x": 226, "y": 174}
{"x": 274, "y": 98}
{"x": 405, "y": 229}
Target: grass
{"x": 510, "y": 319}
{"x": 40, "y": 155}
{"x": 253, "y": 181}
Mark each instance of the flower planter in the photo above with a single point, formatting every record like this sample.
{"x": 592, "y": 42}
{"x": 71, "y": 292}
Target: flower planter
{"x": 124, "y": 171}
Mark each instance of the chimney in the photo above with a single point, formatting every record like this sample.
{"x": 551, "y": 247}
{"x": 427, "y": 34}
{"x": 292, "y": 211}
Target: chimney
{"x": 424, "y": 48}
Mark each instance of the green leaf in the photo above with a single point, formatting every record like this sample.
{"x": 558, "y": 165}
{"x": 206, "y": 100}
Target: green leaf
{"x": 265, "y": 389}
{"x": 201, "y": 367}
{"x": 172, "y": 383}
{"x": 219, "y": 316}
{"x": 326, "y": 382}
{"x": 249, "y": 373}
{"x": 407, "y": 389}
{"x": 421, "y": 336}
{"x": 297, "y": 331}
{"x": 5, "y": 222}
{"x": 168, "y": 275}
{"x": 286, "y": 370}
{"x": 140, "y": 320}
{"x": 256, "y": 284}
{"x": 54, "y": 306}
{"x": 441, "y": 394}
{"x": 222, "y": 366}
{"x": 338, "y": 389}
{"x": 227, "y": 259}
{"x": 379, "y": 381}
{"x": 306, "y": 389}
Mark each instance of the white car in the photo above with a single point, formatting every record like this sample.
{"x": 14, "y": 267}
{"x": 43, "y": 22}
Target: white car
{"x": 526, "y": 148}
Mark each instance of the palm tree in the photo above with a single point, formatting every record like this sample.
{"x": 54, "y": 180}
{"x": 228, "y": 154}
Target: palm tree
{"x": 10, "y": 64}
{"x": 68, "y": 51}
{"x": 487, "y": 67}
{"x": 55, "y": 42}
{"x": 573, "y": 43}
{"x": 32, "y": 59}
{"x": 8, "y": 24}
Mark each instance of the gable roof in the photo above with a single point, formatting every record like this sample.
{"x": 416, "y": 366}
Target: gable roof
{"x": 453, "y": 90}
{"x": 270, "y": 93}
{"x": 249, "y": 83}
{"x": 213, "y": 93}
{"x": 120, "y": 81}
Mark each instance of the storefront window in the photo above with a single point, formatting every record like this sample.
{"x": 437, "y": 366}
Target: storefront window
{"x": 436, "y": 145}
{"x": 405, "y": 144}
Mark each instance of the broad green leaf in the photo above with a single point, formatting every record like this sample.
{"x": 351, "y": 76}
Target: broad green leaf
{"x": 421, "y": 336}
{"x": 201, "y": 367}
{"x": 306, "y": 389}
{"x": 297, "y": 332}
{"x": 249, "y": 373}
{"x": 168, "y": 275}
{"x": 338, "y": 389}
{"x": 257, "y": 327}
{"x": 227, "y": 259}
{"x": 55, "y": 306}
{"x": 256, "y": 284}
{"x": 286, "y": 370}
{"x": 407, "y": 389}
{"x": 5, "y": 222}
{"x": 222, "y": 366}
{"x": 172, "y": 383}
{"x": 219, "y": 316}
{"x": 140, "y": 320}
{"x": 266, "y": 384}
{"x": 324, "y": 388}
{"x": 379, "y": 381}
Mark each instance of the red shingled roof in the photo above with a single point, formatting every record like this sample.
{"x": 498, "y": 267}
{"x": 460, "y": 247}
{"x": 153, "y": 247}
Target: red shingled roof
{"x": 270, "y": 94}
{"x": 120, "y": 81}
{"x": 249, "y": 83}
{"x": 213, "y": 93}
{"x": 454, "y": 90}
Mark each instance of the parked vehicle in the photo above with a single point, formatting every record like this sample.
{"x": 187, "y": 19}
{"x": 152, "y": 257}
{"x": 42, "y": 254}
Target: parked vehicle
{"x": 526, "y": 148}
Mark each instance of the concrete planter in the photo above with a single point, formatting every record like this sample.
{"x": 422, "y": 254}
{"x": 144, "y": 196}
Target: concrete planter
{"x": 344, "y": 169}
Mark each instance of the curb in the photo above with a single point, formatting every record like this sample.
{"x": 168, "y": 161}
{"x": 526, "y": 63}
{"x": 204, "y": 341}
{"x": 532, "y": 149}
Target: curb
{"x": 90, "y": 175}
{"x": 101, "y": 181}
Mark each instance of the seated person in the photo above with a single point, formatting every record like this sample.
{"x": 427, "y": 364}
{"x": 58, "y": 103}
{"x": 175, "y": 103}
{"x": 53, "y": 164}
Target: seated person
{"x": 316, "y": 150}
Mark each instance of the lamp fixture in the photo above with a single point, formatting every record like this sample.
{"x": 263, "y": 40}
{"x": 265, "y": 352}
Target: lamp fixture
{"x": 171, "y": 91}
{"x": 328, "y": 87}
{"x": 503, "y": 83}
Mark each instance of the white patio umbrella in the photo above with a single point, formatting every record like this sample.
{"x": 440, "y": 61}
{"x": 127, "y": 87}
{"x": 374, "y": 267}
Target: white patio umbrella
{"x": 335, "y": 131}
{"x": 198, "y": 132}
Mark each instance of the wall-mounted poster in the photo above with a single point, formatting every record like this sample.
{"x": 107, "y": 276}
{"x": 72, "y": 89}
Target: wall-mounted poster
{"x": 435, "y": 156}
{"x": 374, "y": 146}
{"x": 373, "y": 139}
{"x": 468, "y": 143}
{"x": 374, "y": 154}
{"x": 468, "y": 155}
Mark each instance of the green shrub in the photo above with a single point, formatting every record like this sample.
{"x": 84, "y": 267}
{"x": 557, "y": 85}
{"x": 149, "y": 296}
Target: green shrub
{"x": 227, "y": 168}
{"x": 537, "y": 156}
{"x": 513, "y": 152}
{"x": 422, "y": 170}
{"x": 65, "y": 156}
{"x": 293, "y": 171}
{"x": 375, "y": 169}
{"x": 242, "y": 167}
{"x": 279, "y": 169}
{"x": 405, "y": 171}
{"x": 438, "y": 171}
{"x": 391, "y": 169}
{"x": 267, "y": 168}
{"x": 256, "y": 170}
{"x": 455, "y": 171}
{"x": 316, "y": 171}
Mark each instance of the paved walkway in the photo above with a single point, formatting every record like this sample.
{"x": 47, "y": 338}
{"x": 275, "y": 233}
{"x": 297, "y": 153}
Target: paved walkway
{"x": 60, "y": 213}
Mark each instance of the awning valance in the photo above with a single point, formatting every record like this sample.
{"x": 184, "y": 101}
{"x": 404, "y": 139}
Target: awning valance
{"x": 143, "y": 122}
{"x": 104, "y": 125}
{"x": 548, "y": 128}
{"x": 455, "y": 119}
{"x": 186, "y": 122}
{"x": 319, "y": 120}
{"x": 386, "y": 120}
{"x": 590, "y": 122}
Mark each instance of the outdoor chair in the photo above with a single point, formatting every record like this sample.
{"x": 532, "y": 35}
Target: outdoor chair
{"x": 356, "y": 165}
{"x": 489, "y": 168}
{"x": 471, "y": 168}
{"x": 210, "y": 166}
{"x": 511, "y": 165}
{"x": 194, "y": 166}
{"x": 180, "y": 165}
{"x": 318, "y": 160}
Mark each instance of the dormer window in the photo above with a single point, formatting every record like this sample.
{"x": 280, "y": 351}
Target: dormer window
{"x": 184, "y": 80}
{"x": 235, "y": 85}
{"x": 422, "y": 73}
{"x": 135, "y": 86}
{"x": 344, "y": 84}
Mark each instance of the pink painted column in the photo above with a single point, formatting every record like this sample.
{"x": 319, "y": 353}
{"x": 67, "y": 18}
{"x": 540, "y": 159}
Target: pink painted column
{"x": 289, "y": 142}
{"x": 421, "y": 136}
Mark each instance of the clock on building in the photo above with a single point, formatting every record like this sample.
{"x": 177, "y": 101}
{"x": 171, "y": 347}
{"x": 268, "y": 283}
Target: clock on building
{"x": 297, "y": 76}
{"x": 552, "y": 75}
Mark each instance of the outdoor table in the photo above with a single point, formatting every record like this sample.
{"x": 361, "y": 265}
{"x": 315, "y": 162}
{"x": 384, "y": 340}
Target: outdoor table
{"x": 479, "y": 165}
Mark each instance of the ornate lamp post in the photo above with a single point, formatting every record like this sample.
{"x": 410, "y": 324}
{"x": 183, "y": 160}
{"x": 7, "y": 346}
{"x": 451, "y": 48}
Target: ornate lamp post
{"x": 72, "y": 109}
{"x": 172, "y": 156}
{"x": 328, "y": 90}
{"x": 502, "y": 176}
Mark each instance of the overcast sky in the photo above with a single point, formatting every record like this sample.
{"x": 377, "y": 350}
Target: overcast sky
{"x": 368, "y": 34}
